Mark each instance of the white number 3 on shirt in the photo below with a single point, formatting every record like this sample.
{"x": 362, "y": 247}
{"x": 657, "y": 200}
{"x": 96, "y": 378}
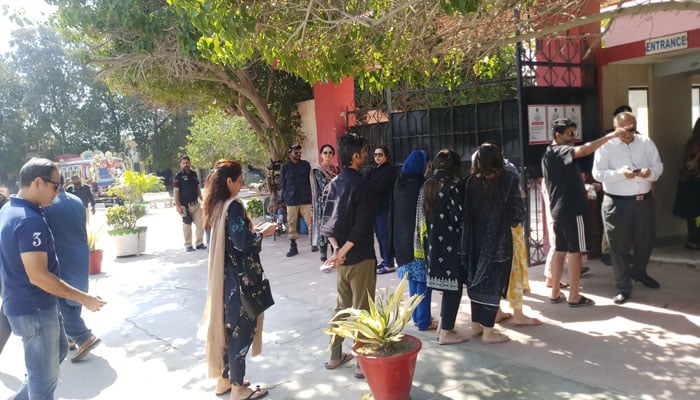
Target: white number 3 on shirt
{"x": 37, "y": 239}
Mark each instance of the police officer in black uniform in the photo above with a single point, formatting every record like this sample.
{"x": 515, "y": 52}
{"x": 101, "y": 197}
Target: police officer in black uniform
{"x": 187, "y": 195}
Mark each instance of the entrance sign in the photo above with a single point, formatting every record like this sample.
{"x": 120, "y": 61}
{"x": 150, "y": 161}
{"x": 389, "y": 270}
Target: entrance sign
{"x": 663, "y": 44}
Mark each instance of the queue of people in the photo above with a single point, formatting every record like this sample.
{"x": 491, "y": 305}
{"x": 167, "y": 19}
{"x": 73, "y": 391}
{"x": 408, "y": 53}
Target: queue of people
{"x": 444, "y": 230}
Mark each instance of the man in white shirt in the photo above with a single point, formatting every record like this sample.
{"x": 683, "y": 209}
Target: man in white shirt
{"x": 627, "y": 166}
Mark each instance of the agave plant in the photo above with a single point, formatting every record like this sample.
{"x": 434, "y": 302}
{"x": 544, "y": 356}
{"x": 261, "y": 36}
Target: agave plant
{"x": 381, "y": 327}
{"x": 93, "y": 235}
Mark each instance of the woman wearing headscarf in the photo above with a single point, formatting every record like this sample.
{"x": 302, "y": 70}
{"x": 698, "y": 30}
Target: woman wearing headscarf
{"x": 321, "y": 175}
{"x": 234, "y": 261}
{"x": 492, "y": 205}
{"x": 438, "y": 233}
{"x": 402, "y": 224}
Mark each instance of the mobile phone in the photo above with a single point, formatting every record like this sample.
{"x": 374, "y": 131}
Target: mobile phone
{"x": 636, "y": 170}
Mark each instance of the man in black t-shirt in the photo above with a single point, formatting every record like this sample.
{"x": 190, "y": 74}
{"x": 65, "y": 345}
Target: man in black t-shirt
{"x": 84, "y": 193}
{"x": 567, "y": 196}
{"x": 187, "y": 195}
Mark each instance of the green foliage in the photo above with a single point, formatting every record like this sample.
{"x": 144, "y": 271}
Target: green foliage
{"x": 93, "y": 236}
{"x": 383, "y": 324}
{"x": 132, "y": 185}
{"x": 123, "y": 218}
{"x": 215, "y": 136}
{"x": 150, "y": 49}
{"x": 255, "y": 207}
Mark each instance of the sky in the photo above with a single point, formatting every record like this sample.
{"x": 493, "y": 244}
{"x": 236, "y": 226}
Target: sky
{"x": 35, "y": 10}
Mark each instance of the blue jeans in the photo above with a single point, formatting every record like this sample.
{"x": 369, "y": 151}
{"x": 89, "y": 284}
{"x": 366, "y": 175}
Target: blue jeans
{"x": 73, "y": 322}
{"x": 381, "y": 222}
{"x": 45, "y": 347}
{"x": 421, "y": 315}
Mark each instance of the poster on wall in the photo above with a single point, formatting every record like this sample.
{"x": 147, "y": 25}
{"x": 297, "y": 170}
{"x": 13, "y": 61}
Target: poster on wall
{"x": 541, "y": 116}
{"x": 573, "y": 112}
{"x": 554, "y": 112}
{"x": 537, "y": 122}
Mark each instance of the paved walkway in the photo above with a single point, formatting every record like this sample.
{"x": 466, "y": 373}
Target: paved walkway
{"x": 648, "y": 348}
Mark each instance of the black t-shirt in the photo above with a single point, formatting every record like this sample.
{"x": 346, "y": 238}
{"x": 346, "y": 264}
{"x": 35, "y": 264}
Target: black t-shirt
{"x": 562, "y": 176}
{"x": 187, "y": 183}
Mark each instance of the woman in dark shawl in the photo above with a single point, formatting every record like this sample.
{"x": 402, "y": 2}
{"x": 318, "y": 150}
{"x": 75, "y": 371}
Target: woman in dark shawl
{"x": 687, "y": 203}
{"x": 492, "y": 206}
{"x": 439, "y": 225}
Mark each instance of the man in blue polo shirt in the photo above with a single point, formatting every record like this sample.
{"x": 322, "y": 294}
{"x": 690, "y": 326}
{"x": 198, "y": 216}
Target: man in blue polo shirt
{"x": 30, "y": 283}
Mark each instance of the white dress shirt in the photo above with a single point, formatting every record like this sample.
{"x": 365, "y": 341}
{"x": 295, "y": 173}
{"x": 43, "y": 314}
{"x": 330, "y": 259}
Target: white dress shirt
{"x": 613, "y": 156}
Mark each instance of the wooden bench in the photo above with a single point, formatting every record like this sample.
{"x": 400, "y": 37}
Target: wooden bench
{"x": 160, "y": 197}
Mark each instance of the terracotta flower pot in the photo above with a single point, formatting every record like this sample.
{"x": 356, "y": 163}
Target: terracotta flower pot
{"x": 390, "y": 378}
{"x": 95, "y": 262}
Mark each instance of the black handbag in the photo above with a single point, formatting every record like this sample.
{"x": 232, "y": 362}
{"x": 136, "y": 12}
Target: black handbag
{"x": 256, "y": 298}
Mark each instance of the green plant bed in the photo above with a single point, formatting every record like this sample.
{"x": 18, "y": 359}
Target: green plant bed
{"x": 126, "y": 231}
{"x": 255, "y": 207}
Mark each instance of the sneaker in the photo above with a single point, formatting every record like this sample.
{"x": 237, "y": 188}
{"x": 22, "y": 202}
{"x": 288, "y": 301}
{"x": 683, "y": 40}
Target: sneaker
{"x": 189, "y": 248}
{"x": 201, "y": 247}
{"x": 605, "y": 258}
{"x": 85, "y": 348}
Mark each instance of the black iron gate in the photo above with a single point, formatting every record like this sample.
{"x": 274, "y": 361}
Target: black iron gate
{"x": 461, "y": 128}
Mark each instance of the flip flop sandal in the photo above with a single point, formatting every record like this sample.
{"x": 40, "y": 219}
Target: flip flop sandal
{"x": 433, "y": 326}
{"x": 583, "y": 302}
{"x": 345, "y": 358}
{"x": 558, "y": 299}
{"x": 385, "y": 270}
{"x": 258, "y": 393}
{"x": 562, "y": 285}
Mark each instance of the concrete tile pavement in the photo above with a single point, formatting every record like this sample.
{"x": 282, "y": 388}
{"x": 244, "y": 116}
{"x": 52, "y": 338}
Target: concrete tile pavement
{"x": 646, "y": 349}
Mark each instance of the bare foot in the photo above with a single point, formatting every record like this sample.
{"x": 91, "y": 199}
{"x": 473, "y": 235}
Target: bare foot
{"x": 477, "y": 329}
{"x": 494, "y": 336}
{"x": 223, "y": 386}
{"x": 501, "y": 316}
{"x": 525, "y": 321}
{"x": 451, "y": 337}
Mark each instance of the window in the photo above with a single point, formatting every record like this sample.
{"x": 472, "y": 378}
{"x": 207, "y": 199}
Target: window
{"x": 695, "y": 101}
{"x": 639, "y": 102}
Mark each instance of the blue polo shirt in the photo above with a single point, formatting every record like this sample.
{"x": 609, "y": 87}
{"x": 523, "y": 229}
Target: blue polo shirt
{"x": 23, "y": 229}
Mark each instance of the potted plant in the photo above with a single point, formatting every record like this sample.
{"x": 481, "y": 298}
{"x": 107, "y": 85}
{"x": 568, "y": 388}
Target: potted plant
{"x": 386, "y": 355}
{"x": 129, "y": 238}
{"x": 95, "y": 254}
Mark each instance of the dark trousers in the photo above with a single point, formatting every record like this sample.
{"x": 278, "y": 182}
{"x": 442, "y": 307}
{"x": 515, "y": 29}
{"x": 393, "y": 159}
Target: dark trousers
{"x": 381, "y": 230}
{"x": 5, "y": 329}
{"x": 629, "y": 224}
{"x": 449, "y": 308}
{"x": 240, "y": 338}
{"x": 693, "y": 232}
{"x": 73, "y": 322}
